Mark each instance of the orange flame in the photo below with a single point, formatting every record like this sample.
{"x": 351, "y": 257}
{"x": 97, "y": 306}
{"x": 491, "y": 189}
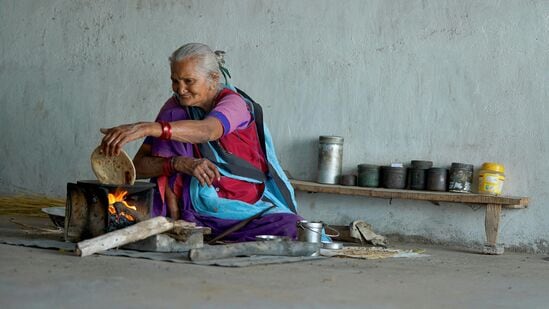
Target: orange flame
{"x": 119, "y": 196}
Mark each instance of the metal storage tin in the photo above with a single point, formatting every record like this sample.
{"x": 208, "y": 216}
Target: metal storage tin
{"x": 368, "y": 175}
{"x": 416, "y": 178}
{"x": 330, "y": 157}
{"x": 460, "y": 178}
{"x": 421, "y": 164}
{"x": 347, "y": 180}
{"x": 393, "y": 177}
{"x": 437, "y": 179}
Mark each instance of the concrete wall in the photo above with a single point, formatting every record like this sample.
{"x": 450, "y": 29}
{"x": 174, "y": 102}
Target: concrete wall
{"x": 450, "y": 81}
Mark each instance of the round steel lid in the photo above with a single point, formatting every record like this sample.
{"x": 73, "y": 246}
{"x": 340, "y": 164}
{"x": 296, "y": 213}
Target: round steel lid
{"x": 331, "y": 139}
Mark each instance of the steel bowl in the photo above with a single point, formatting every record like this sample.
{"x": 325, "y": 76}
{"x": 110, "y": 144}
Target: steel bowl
{"x": 332, "y": 245}
{"x": 271, "y": 238}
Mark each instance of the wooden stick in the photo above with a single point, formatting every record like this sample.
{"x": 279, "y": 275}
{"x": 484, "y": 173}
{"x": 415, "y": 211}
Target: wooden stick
{"x": 239, "y": 225}
{"x": 124, "y": 236}
{"x": 134, "y": 213}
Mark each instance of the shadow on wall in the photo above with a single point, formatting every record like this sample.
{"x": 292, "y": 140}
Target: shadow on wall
{"x": 302, "y": 158}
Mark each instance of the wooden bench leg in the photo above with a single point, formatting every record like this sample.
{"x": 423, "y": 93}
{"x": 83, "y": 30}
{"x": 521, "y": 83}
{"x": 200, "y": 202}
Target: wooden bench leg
{"x": 491, "y": 227}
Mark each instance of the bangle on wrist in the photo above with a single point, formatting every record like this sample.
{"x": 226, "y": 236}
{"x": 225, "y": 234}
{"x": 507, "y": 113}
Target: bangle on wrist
{"x": 166, "y": 130}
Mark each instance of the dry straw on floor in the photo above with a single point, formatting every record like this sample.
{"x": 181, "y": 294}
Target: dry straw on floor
{"x": 28, "y": 205}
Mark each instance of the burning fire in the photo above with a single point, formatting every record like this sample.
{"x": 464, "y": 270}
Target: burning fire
{"x": 119, "y": 198}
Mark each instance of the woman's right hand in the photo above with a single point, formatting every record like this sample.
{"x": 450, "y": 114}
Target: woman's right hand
{"x": 204, "y": 170}
{"x": 115, "y": 138}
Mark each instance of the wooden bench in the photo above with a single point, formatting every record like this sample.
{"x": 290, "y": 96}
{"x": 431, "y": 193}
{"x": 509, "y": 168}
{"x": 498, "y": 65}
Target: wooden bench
{"x": 493, "y": 204}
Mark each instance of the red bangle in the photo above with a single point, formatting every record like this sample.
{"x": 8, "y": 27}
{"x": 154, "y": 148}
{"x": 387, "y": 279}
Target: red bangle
{"x": 166, "y": 130}
{"x": 167, "y": 167}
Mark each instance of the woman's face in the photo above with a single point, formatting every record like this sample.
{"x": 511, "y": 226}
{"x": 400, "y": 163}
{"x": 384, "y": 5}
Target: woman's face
{"x": 192, "y": 87}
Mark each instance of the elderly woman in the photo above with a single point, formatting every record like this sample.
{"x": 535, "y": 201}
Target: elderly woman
{"x": 209, "y": 153}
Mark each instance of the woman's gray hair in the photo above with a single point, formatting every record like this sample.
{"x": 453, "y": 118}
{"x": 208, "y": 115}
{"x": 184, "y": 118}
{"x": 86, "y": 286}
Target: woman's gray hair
{"x": 208, "y": 61}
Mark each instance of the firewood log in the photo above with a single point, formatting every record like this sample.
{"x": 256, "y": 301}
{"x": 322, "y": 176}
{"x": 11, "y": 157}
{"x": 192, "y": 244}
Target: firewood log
{"x": 133, "y": 233}
{"x": 279, "y": 248}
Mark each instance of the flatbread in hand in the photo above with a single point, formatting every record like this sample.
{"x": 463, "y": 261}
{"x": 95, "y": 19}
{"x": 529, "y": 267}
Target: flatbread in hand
{"x": 115, "y": 170}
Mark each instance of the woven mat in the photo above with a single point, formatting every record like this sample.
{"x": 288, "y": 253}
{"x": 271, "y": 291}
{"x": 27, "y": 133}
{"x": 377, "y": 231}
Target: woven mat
{"x": 174, "y": 257}
{"x": 373, "y": 253}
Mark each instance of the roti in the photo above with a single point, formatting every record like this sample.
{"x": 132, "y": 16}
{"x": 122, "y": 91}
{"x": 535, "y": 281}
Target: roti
{"x": 115, "y": 170}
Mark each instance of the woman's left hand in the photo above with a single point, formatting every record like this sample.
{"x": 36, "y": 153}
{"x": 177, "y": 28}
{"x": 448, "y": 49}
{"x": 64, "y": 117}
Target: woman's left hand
{"x": 115, "y": 138}
{"x": 203, "y": 169}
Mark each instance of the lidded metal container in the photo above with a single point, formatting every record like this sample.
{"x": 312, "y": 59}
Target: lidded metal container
{"x": 437, "y": 179}
{"x": 421, "y": 164}
{"x": 330, "y": 157}
{"x": 417, "y": 178}
{"x": 393, "y": 177}
{"x": 347, "y": 180}
{"x": 368, "y": 175}
{"x": 460, "y": 178}
{"x": 417, "y": 174}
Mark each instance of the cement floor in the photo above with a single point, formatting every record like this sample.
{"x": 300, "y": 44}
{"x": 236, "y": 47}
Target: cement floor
{"x": 449, "y": 278}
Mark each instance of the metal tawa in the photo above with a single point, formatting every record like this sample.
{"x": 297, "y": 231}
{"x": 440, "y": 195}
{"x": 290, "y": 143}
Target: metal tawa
{"x": 56, "y": 214}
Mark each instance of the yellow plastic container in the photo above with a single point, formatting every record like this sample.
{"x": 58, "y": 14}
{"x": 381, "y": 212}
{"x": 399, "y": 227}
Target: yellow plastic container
{"x": 491, "y": 178}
